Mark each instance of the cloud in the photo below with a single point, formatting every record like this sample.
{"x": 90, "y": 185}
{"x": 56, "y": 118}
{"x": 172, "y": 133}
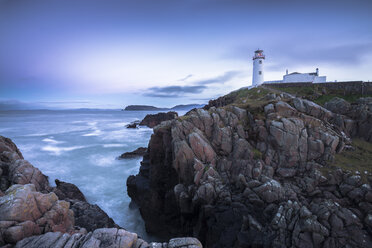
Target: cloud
{"x": 174, "y": 91}
{"x": 185, "y": 78}
{"x": 227, "y": 76}
{"x": 282, "y": 54}
{"x": 197, "y": 87}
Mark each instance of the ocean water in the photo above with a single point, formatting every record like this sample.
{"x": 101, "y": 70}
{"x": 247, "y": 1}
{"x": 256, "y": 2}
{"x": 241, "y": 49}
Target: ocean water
{"x": 81, "y": 147}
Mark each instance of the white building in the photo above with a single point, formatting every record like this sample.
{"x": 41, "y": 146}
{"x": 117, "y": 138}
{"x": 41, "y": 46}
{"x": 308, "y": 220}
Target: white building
{"x": 294, "y": 77}
{"x": 258, "y": 66}
{"x": 311, "y": 77}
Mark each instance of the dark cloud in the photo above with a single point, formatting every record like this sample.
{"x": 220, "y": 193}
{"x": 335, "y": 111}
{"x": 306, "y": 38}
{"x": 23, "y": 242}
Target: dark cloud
{"x": 227, "y": 76}
{"x": 282, "y": 54}
{"x": 197, "y": 87}
{"x": 174, "y": 91}
{"x": 185, "y": 78}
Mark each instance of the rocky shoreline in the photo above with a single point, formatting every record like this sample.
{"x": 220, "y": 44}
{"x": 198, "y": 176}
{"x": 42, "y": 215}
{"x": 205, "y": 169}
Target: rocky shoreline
{"x": 257, "y": 174}
{"x": 34, "y": 214}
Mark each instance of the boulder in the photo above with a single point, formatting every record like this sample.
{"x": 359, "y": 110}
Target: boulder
{"x": 133, "y": 124}
{"x": 25, "y": 212}
{"x": 338, "y": 105}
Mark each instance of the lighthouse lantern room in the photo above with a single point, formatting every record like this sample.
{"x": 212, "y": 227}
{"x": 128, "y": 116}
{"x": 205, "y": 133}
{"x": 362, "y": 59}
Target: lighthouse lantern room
{"x": 258, "y": 62}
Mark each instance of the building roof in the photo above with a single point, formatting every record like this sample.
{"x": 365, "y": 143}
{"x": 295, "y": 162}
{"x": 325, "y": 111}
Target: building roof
{"x": 309, "y": 73}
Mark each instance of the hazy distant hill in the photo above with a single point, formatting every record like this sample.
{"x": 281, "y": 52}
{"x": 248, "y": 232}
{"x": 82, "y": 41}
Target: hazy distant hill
{"x": 148, "y": 107}
{"x": 17, "y": 105}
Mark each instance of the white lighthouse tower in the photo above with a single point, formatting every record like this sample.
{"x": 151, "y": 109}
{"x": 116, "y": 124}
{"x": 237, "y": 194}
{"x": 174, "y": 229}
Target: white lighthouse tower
{"x": 258, "y": 61}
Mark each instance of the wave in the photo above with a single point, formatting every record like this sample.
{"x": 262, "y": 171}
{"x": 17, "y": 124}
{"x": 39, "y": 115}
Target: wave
{"x": 59, "y": 150}
{"x": 114, "y": 145}
{"x": 53, "y": 141}
{"x": 102, "y": 161}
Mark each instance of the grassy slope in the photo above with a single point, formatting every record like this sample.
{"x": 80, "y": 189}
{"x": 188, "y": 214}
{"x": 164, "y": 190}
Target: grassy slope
{"x": 355, "y": 161}
{"x": 318, "y": 94}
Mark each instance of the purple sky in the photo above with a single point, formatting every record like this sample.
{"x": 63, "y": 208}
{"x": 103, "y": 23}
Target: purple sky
{"x": 112, "y": 53}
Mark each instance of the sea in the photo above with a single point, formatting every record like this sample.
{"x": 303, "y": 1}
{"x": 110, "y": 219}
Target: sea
{"x": 81, "y": 147}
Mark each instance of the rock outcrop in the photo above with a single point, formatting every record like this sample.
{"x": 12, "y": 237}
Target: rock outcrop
{"x": 356, "y": 118}
{"x": 25, "y": 212}
{"x": 34, "y": 214}
{"x": 235, "y": 177}
{"x": 66, "y": 191}
{"x": 133, "y": 124}
{"x": 88, "y": 216}
{"x": 102, "y": 238}
{"x": 30, "y": 206}
{"x": 139, "y": 152}
{"x": 151, "y": 120}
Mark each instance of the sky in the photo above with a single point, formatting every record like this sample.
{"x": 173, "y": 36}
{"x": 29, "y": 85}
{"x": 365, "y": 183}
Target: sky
{"x": 113, "y": 53}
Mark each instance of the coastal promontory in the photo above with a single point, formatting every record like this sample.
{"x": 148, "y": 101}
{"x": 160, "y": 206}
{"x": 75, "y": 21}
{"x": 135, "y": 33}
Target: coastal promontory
{"x": 261, "y": 168}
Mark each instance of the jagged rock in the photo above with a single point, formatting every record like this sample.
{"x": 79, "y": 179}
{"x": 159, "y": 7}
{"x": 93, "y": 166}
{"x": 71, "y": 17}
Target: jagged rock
{"x": 136, "y": 153}
{"x": 16, "y": 170}
{"x": 236, "y": 178}
{"x": 133, "y": 124}
{"x": 66, "y": 191}
{"x": 101, "y": 238}
{"x": 24, "y": 212}
{"x": 90, "y": 216}
{"x": 152, "y": 120}
{"x": 338, "y": 106}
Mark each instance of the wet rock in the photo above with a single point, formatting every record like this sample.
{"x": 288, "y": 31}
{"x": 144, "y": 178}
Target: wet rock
{"x": 152, "y": 120}
{"x": 133, "y": 124}
{"x": 136, "y": 153}
{"x": 90, "y": 216}
{"x": 66, "y": 191}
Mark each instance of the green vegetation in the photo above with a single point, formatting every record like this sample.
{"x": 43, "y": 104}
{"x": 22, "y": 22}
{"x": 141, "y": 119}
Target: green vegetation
{"x": 244, "y": 95}
{"x": 183, "y": 118}
{"x": 357, "y": 160}
{"x": 319, "y": 94}
{"x": 350, "y": 98}
{"x": 257, "y": 154}
{"x": 252, "y": 100}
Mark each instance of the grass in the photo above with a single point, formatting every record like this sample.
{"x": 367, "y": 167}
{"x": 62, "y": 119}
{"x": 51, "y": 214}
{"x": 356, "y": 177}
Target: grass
{"x": 350, "y": 98}
{"x": 319, "y": 94}
{"x": 257, "y": 154}
{"x": 252, "y": 100}
{"x": 183, "y": 118}
{"x": 355, "y": 161}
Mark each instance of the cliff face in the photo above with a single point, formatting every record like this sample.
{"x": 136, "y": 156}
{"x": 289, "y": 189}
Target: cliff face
{"x": 256, "y": 176}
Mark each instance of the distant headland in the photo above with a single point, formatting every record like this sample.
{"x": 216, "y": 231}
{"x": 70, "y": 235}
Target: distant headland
{"x": 153, "y": 108}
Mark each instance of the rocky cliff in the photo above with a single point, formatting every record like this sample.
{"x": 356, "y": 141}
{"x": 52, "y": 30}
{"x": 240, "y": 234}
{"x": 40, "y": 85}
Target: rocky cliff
{"x": 34, "y": 214}
{"x": 254, "y": 170}
{"x": 151, "y": 120}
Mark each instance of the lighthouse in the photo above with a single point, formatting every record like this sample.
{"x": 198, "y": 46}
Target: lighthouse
{"x": 258, "y": 74}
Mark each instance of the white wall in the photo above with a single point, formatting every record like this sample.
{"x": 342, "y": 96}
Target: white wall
{"x": 257, "y": 67}
{"x": 322, "y": 79}
{"x": 298, "y": 78}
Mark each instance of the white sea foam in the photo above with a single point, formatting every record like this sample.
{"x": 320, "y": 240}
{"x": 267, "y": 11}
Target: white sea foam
{"x": 52, "y": 141}
{"x": 59, "y": 150}
{"x": 114, "y": 145}
{"x": 102, "y": 161}
{"x": 96, "y": 132}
